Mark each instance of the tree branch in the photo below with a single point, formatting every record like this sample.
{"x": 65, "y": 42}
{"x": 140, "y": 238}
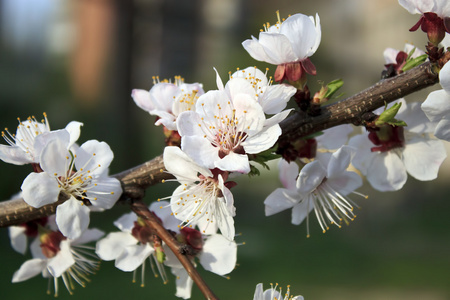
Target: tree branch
{"x": 140, "y": 208}
{"x": 351, "y": 110}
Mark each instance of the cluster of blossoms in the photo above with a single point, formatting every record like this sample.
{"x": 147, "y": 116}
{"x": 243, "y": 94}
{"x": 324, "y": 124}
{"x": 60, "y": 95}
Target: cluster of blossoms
{"x": 212, "y": 138}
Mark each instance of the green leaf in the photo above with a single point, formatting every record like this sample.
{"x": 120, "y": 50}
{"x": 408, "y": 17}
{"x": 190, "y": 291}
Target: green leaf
{"x": 414, "y": 62}
{"x": 388, "y": 115}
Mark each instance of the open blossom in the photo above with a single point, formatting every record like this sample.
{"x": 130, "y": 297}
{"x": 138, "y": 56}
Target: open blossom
{"x": 56, "y": 257}
{"x": 396, "y": 59}
{"x": 228, "y": 124}
{"x": 288, "y": 44}
{"x": 435, "y": 19}
{"x": 387, "y": 155}
{"x": 322, "y": 186}
{"x": 167, "y": 100}
{"x": 131, "y": 247}
{"x": 273, "y": 294}
{"x": 437, "y": 105}
{"x": 215, "y": 253}
{"x": 81, "y": 175}
{"x": 203, "y": 198}
{"x": 31, "y": 136}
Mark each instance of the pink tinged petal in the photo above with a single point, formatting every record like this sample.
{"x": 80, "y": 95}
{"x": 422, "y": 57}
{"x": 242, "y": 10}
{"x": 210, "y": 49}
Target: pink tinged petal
{"x": 275, "y": 98}
{"x": 104, "y": 192}
{"x": 288, "y": 174}
{"x": 188, "y": 124}
{"x": 334, "y": 137}
{"x": 132, "y": 257}
{"x": 302, "y": 34}
{"x": 339, "y": 161}
{"x": 55, "y": 158}
{"x": 263, "y": 140}
{"x": 258, "y": 292}
{"x": 90, "y": 235}
{"x": 278, "y": 48}
{"x": 310, "y": 177}
{"x": 15, "y": 155}
{"x": 113, "y": 244}
{"x": 219, "y": 255}
{"x": 234, "y": 162}
{"x": 280, "y": 73}
{"x": 279, "y": 200}
{"x": 202, "y": 152}
{"x": 294, "y": 71}
{"x": 74, "y": 130}
{"x": 184, "y": 283}
{"x": 183, "y": 167}
{"x": 62, "y": 261}
{"x": 163, "y": 94}
{"x": 437, "y": 105}
{"x": 39, "y": 189}
{"x": 301, "y": 210}
{"x": 72, "y": 218}
{"x": 94, "y": 156}
{"x": 126, "y": 222}
{"x": 142, "y": 99}
{"x": 18, "y": 238}
{"x": 422, "y": 157}
{"x": 386, "y": 172}
{"x": 443, "y": 130}
{"x": 29, "y": 269}
{"x": 308, "y": 66}
{"x": 256, "y": 50}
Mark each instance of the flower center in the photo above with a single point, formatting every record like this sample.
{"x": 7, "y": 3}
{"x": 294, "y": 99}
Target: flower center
{"x": 387, "y": 137}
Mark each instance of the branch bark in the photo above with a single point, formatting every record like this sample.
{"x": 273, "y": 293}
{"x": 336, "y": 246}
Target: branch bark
{"x": 348, "y": 111}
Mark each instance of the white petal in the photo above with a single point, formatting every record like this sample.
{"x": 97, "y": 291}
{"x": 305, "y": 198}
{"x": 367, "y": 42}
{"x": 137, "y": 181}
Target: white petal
{"x": 94, "y": 156}
{"x": 62, "y": 261}
{"x": 275, "y": 98}
{"x": 310, "y": 177}
{"x": 89, "y": 235}
{"x": 43, "y": 139}
{"x": 29, "y": 269}
{"x": 39, "y": 189}
{"x": 183, "y": 167}
{"x": 104, "y": 192}
{"x": 219, "y": 82}
{"x": 184, "y": 283}
{"x": 238, "y": 85}
{"x": 15, "y": 155}
{"x": 288, "y": 174}
{"x": 218, "y": 255}
{"x": 163, "y": 211}
{"x": 335, "y": 137}
{"x": 278, "y": 48}
{"x": 422, "y": 158}
{"x": 262, "y": 141}
{"x": 72, "y": 218}
{"x": 277, "y": 118}
{"x": 386, "y": 172}
{"x": 339, "y": 161}
{"x": 346, "y": 182}
{"x": 279, "y": 200}
{"x": 443, "y": 130}
{"x": 163, "y": 94}
{"x": 301, "y": 210}
{"x": 74, "y": 130}
{"x": 301, "y": 32}
{"x": 444, "y": 77}
{"x": 132, "y": 257}
{"x": 437, "y": 105}
{"x": 55, "y": 157}
{"x": 188, "y": 123}
{"x": 390, "y": 55}
{"x": 258, "y": 292}
{"x": 234, "y": 162}
{"x": 142, "y": 99}
{"x": 113, "y": 244}
{"x": 256, "y": 50}
{"x": 18, "y": 238}
{"x": 126, "y": 222}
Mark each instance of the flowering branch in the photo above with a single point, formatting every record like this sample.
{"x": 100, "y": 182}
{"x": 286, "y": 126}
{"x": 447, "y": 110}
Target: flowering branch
{"x": 141, "y": 209}
{"x": 354, "y": 109}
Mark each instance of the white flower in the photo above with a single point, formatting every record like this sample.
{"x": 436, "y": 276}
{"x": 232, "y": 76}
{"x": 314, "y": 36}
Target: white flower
{"x": 272, "y": 98}
{"x": 439, "y": 7}
{"x": 202, "y": 199}
{"x": 288, "y": 44}
{"x": 126, "y": 248}
{"x": 228, "y": 124}
{"x": 217, "y": 254}
{"x": 390, "y": 54}
{"x": 404, "y": 150}
{"x": 437, "y": 105}
{"x": 83, "y": 177}
{"x": 167, "y": 100}
{"x": 321, "y": 185}
{"x": 55, "y": 256}
{"x": 31, "y": 137}
{"x": 273, "y": 294}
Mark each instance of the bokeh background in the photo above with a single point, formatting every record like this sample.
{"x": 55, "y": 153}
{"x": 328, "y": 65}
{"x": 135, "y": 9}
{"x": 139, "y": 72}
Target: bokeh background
{"x": 80, "y": 59}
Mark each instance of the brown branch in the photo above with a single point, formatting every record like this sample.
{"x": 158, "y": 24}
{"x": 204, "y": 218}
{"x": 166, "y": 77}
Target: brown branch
{"x": 140, "y": 208}
{"x": 351, "y": 110}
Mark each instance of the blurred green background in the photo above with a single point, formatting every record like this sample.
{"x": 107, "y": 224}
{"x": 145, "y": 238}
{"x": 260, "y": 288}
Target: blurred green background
{"x": 79, "y": 60}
